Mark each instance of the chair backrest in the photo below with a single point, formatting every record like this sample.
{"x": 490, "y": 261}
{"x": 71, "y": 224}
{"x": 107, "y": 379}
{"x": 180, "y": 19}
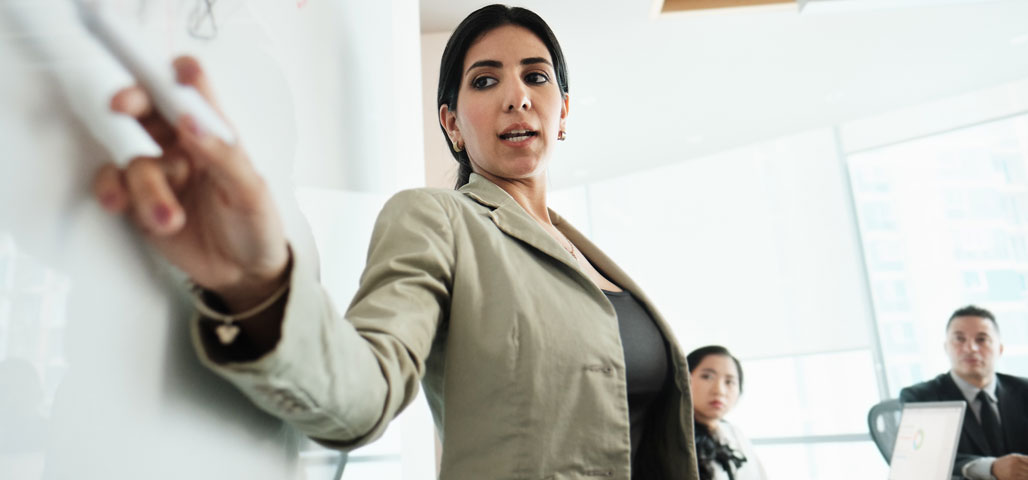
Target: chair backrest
{"x": 883, "y": 421}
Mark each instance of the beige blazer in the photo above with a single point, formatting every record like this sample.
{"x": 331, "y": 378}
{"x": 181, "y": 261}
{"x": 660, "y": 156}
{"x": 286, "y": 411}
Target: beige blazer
{"x": 517, "y": 350}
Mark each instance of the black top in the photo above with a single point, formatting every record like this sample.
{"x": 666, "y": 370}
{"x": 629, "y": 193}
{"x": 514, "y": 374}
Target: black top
{"x": 646, "y": 360}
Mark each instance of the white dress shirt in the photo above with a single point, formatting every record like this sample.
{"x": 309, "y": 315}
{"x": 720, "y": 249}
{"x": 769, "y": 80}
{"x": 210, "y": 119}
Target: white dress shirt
{"x": 981, "y": 468}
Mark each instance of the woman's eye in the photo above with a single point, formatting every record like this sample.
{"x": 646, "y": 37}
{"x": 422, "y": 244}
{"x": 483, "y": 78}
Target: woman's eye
{"x": 536, "y": 78}
{"x": 483, "y": 82}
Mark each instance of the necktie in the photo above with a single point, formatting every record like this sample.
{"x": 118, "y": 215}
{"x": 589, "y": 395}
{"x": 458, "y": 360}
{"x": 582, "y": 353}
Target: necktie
{"x": 993, "y": 433}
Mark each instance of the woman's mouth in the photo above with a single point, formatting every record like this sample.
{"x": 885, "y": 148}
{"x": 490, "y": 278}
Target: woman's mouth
{"x": 517, "y": 136}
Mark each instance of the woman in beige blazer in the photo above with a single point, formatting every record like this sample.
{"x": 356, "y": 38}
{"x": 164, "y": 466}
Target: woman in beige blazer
{"x": 513, "y": 322}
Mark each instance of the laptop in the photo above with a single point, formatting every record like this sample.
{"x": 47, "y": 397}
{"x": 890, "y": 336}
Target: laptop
{"x": 926, "y": 442}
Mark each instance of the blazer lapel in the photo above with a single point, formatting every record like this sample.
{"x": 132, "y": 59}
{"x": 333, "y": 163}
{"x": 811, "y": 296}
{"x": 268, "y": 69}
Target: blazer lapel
{"x": 609, "y": 269}
{"x": 513, "y": 220}
{"x": 1011, "y": 418}
{"x": 972, "y": 427}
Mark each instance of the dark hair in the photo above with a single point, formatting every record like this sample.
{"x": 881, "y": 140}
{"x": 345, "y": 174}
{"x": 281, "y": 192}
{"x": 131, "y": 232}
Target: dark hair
{"x": 710, "y": 451}
{"x": 972, "y": 311}
{"x": 477, "y": 24}
{"x": 696, "y": 357}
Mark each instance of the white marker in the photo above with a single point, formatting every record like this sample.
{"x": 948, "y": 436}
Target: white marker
{"x": 171, "y": 98}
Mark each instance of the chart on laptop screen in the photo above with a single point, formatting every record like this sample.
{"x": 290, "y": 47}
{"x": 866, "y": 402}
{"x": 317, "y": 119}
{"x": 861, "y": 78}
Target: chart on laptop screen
{"x": 926, "y": 441}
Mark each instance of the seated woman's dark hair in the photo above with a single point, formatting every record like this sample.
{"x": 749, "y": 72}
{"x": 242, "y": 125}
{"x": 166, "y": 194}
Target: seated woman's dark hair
{"x": 695, "y": 357}
{"x": 476, "y": 24}
{"x": 710, "y": 451}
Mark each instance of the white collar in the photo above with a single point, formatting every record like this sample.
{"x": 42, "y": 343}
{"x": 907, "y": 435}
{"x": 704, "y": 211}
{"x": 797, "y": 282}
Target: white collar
{"x": 970, "y": 392}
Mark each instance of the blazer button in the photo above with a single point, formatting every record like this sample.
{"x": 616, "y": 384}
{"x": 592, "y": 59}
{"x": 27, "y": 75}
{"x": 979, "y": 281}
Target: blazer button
{"x": 294, "y": 407}
{"x": 278, "y": 398}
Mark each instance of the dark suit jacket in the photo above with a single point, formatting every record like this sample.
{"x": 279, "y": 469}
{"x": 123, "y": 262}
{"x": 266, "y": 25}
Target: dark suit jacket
{"x": 1012, "y": 393}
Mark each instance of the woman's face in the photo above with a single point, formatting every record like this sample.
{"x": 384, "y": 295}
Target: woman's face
{"x": 509, "y": 108}
{"x": 715, "y": 388}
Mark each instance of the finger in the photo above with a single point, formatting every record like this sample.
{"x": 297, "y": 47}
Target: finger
{"x": 132, "y": 101}
{"x": 176, "y": 167}
{"x": 110, "y": 189}
{"x": 226, "y": 164}
{"x": 189, "y": 72}
{"x": 159, "y": 129}
{"x": 153, "y": 200}
{"x": 136, "y": 102}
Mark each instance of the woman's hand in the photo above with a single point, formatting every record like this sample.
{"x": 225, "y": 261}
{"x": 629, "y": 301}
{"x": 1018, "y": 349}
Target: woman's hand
{"x": 201, "y": 203}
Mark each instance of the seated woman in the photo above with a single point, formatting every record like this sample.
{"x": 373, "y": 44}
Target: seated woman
{"x": 722, "y": 451}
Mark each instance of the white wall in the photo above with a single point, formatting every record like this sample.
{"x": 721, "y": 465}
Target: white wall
{"x": 440, "y": 167}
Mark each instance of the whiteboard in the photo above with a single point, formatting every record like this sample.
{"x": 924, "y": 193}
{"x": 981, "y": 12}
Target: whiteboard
{"x": 98, "y": 379}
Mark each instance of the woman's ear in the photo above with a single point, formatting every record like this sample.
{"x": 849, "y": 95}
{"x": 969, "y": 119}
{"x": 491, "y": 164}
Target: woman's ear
{"x": 565, "y": 107}
{"x": 448, "y": 120}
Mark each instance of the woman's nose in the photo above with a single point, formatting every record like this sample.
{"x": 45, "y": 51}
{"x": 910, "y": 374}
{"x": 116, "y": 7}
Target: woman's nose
{"x": 522, "y": 104}
{"x": 517, "y": 98}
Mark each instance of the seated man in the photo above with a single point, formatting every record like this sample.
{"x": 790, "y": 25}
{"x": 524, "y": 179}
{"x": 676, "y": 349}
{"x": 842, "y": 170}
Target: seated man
{"x": 994, "y": 441}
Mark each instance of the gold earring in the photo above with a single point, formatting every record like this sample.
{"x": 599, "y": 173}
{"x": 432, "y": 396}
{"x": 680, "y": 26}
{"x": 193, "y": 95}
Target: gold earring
{"x": 562, "y": 135}
{"x": 457, "y": 147}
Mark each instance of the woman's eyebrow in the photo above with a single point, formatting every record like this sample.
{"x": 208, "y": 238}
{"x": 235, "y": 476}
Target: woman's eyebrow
{"x": 498, "y": 64}
{"x": 484, "y": 63}
{"x": 534, "y": 60}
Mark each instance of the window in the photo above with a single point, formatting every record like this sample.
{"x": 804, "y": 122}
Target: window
{"x": 958, "y": 200}
{"x": 801, "y": 424}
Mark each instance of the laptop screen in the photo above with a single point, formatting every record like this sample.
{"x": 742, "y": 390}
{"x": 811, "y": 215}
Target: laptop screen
{"x": 926, "y": 443}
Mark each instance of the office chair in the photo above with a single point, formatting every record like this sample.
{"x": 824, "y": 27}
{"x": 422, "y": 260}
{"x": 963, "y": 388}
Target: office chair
{"x": 883, "y": 421}
{"x": 343, "y": 457}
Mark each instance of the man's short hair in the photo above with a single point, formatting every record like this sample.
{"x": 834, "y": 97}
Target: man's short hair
{"x": 973, "y": 311}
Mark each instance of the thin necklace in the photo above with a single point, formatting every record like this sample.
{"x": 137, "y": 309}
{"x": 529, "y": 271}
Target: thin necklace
{"x": 570, "y": 250}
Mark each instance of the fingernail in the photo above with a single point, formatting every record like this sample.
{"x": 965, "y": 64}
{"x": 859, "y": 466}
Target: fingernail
{"x": 108, "y": 199}
{"x": 186, "y": 71}
{"x": 192, "y": 126}
{"x": 162, "y": 214}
